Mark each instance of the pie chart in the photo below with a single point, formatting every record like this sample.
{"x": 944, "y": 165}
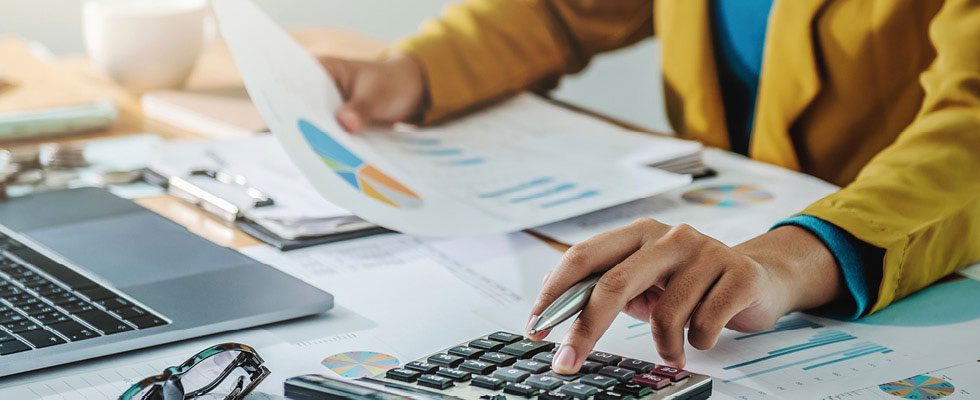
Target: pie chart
{"x": 920, "y": 387}
{"x": 360, "y": 175}
{"x": 727, "y": 196}
{"x": 359, "y": 364}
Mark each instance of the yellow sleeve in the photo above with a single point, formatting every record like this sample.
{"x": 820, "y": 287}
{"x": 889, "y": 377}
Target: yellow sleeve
{"x": 919, "y": 199}
{"x": 483, "y": 49}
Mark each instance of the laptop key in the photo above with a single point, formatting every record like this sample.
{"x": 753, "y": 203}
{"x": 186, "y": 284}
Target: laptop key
{"x": 113, "y": 303}
{"x": 11, "y": 290}
{"x": 48, "y": 290}
{"x": 97, "y": 293}
{"x": 12, "y": 346}
{"x": 41, "y": 338}
{"x": 103, "y": 322}
{"x": 78, "y": 307}
{"x": 11, "y": 316}
{"x": 147, "y": 321}
{"x": 62, "y": 273}
{"x": 129, "y": 312}
{"x": 37, "y": 309}
{"x": 21, "y": 326}
{"x": 74, "y": 331}
{"x": 52, "y": 318}
{"x": 22, "y": 299}
{"x": 62, "y": 298}
{"x": 4, "y": 336}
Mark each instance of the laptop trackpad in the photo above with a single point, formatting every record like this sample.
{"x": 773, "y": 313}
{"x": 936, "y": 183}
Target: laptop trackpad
{"x": 136, "y": 248}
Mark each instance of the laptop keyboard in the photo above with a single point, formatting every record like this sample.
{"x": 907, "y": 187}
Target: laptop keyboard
{"x": 44, "y": 303}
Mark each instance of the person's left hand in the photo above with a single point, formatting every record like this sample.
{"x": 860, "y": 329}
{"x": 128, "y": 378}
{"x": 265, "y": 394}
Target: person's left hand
{"x": 675, "y": 276}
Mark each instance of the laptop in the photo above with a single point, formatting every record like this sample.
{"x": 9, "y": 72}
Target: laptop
{"x": 85, "y": 274}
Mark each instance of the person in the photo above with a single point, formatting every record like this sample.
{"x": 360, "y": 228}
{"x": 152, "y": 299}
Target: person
{"x": 881, "y": 97}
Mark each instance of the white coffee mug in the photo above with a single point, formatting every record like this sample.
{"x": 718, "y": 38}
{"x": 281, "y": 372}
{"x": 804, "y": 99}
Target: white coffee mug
{"x": 146, "y": 44}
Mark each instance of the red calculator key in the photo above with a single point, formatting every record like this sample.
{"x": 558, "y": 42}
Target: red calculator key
{"x": 674, "y": 374}
{"x": 654, "y": 381}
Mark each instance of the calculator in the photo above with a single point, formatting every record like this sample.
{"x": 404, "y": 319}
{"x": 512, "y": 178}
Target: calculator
{"x": 508, "y": 366}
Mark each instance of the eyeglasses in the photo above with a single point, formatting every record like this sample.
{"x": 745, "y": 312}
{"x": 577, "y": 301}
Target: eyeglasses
{"x": 203, "y": 373}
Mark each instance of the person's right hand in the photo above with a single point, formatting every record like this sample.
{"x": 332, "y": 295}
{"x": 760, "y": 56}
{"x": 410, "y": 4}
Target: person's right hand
{"x": 386, "y": 91}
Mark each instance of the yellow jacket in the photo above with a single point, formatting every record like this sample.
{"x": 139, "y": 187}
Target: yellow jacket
{"x": 879, "y": 96}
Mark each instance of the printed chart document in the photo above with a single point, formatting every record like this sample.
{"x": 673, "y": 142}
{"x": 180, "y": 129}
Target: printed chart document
{"x": 520, "y": 164}
{"x": 744, "y": 200}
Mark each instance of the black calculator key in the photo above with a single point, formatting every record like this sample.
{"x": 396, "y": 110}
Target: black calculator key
{"x": 41, "y": 338}
{"x": 21, "y": 326}
{"x": 500, "y": 359}
{"x": 487, "y": 382}
{"x": 466, "y": 352}
{"x": 520, "y": 389}
{"x": 12, "y": 346}
{"x": 505, "y": 337}
{"x": 604, "y": 358}
{"x": 637, "y": 365}
{"x": 403, "y": 374}
{"x": 620, "y": 374}
{"x": 599, "y": 381}
{"x": 53, "y": 317}
{"x": 423, "y": 367}
{"x": 527, "y": 348}
{"x": 590, "y": 367}
{"x": 633, "y": 389}
{"x": 455, "y": 374}
{"x": 554, "y": 395}
{"x": 478, "y": 367}
{"x": 113, "y": 303}
{"x": 579, "y": 390}
{"x": 610, "y": 395}
{"x": 511, "y": 374}
{"x": 545, "y": 357}
{"x": 129, "y": 312}
{"x": 534, "y": 367}
{"x": 435, "y": 381}
{"x": 103, "y": 322}
{"x": 544, "y": 382}
{"x": 445, "y": 360}
{"x": 654, "y": 381}
{"x": 564, "y": 377}
{"x": 74, "y": 331}
{"x": 97, "y": 293}
{"x": 675, "y": 374}
{"x": 488, "y": 345}
{"x": 147, "y": 321}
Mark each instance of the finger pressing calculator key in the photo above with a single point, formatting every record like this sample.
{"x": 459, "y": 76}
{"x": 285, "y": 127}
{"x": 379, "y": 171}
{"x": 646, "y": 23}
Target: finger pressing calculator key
{"x": 506, "y": 366}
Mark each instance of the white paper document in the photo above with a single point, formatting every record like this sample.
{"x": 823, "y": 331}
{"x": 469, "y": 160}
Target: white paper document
{"x": 744, "y": 200}
{"x": 519, "y": 164}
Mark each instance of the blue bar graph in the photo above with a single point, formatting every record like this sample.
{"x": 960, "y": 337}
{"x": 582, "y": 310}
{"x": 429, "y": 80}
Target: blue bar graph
{"x": 856, "y": 350}
{"x": 787, "y": 325}
{"x": 555, "y": 190}
{"x": 467, "y": 161}
{"x": 820, "y": 339}
{"x": 439, "y": 152}
{"x": 583, "y": 195}
{"x": 516, "y": 188}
